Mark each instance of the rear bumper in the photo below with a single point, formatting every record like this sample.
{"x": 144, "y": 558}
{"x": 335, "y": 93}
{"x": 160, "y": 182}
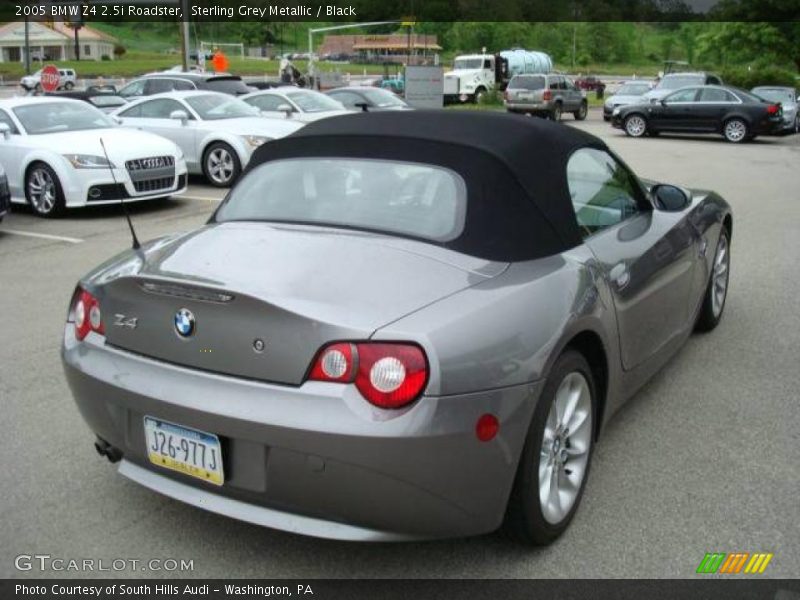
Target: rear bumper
{"x": 532, "y": 107}
{"x": 315, "y": 459}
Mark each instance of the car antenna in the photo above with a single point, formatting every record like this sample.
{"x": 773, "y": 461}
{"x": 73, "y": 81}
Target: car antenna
{"x": 135, "y": 245}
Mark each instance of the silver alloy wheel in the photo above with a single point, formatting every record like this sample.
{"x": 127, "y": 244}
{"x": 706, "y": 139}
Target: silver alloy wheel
{"x": 557, "y": 112}
{"x": 719, "y": 277}
{"x": 735, "y": 130}
{"x": 565, "y": 448}
{"x": 42, "y": 190}
{"x": 220, "y": 165}
{"x": 583, "y": 110}
{"x": 635, "y": 126}
{"x": 797, "y": 123}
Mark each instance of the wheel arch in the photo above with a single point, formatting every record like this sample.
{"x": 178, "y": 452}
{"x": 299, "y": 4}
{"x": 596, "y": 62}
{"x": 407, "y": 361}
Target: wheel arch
{"x": 589, "y": 344}
{"x": 224, "y": 138}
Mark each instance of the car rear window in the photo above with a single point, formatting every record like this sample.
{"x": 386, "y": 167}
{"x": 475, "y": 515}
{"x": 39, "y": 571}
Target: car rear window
{"x": 526, "y": 82}
{"x": 410, "y": 199}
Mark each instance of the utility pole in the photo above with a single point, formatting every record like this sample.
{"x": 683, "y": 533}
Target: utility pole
{"x": 185, "y": 36}
{"x": 27, "y": 46}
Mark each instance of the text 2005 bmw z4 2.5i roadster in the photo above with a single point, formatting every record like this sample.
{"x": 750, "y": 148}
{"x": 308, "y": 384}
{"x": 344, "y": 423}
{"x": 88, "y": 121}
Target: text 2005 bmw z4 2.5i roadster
{"x": 397, "y": 325}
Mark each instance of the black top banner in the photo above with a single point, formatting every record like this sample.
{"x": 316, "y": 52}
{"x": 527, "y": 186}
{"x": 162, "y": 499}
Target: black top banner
{"x": 404, "y": 11}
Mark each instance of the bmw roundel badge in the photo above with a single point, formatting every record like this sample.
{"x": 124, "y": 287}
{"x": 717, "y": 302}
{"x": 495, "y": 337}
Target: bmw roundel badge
{"x": 184, "y": 323}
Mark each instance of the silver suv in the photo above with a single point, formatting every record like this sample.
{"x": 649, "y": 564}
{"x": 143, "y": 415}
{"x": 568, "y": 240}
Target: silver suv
{"x": 549, "y": 95}
{"x": 33, "y": 83}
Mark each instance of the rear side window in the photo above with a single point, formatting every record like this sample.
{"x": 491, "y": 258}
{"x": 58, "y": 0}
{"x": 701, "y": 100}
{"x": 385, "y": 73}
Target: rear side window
{"x": 603, "y": 192}
{"x": 410, "y": 199}
{"x": 526, "y": 82}
{"x": 716, "y": 95}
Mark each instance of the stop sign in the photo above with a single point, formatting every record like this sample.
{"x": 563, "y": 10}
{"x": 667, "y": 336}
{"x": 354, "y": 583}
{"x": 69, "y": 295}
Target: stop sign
{"x": 50, "y": 78}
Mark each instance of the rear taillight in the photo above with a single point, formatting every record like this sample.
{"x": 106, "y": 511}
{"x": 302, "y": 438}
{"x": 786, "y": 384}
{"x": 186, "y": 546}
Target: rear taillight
{"x": 547, "y": 95}
{"x": 87, "y": 315}
{"x": 773, "y": 109}
{"x": 388, "y": 375}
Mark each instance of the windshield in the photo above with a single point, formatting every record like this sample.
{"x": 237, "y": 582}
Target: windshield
{"x": 411, "y": 199}
{"x": 468, "y": 63}
{"x": 55, "y": 117}
{"x": 382, "y": 98}
{"x": 213, "y": 107}
{"x": 313, "y": 102}
{"x": 633, "y": 89}
{"x": 775, "y": 95}
{"x": 673, "y": 82}
{"x": 524, "y": 82}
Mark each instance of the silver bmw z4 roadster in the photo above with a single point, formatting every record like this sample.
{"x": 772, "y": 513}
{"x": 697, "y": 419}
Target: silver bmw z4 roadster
{"x": 397, "y": 325}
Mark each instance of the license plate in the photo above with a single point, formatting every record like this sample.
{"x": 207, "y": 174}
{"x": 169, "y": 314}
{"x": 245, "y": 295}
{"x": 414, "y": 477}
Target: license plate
{"x": 188, "y": 451}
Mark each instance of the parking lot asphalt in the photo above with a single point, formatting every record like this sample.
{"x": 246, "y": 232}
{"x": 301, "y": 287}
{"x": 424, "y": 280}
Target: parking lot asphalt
{"x": 705, "y": 458}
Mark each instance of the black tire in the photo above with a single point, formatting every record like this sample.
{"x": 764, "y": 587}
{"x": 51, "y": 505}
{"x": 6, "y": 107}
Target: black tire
{"x": 739, "y": 126}
{"x": 525, "y": 520}
{"x": 230, "y": 173}
{"x": 38, "y": 88}
{"x": 478, "y": 95}
{"x": 69, "y": 85}
{"x": 44, "y": 203}
{"x": 710, "y": 316}
{"x": 606, "y": 119}
{"x": 581, "y": 113}
{"x": 555, "y": 114}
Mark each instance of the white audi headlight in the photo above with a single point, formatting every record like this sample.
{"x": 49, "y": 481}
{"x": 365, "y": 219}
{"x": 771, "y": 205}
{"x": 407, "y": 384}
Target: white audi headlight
{"x": 88, "y": 161}
{"x": 256, "y": 140}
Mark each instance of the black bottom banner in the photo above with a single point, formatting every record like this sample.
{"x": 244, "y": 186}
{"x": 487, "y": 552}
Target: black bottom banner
{"x": 461, "y": 589}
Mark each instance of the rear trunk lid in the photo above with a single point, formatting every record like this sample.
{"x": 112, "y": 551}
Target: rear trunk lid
{"x": 291, "y": 288}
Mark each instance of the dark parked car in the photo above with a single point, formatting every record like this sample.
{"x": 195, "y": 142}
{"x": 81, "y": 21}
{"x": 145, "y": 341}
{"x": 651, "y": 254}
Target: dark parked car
{"x": 421, "y": 322}
{"x": 737, "y": 115}
{"x": 183, "y": 82}
{"x": 368, "y": 99}
{"x": 590, "y": 83}
{"x": 107, "y": 102}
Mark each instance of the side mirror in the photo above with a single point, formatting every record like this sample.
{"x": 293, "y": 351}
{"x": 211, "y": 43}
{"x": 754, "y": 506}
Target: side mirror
{"x": 116, "y": 119}
{"x": 5, "y": 130}
{"x": 656, "y": 101}
{"x": 364, "y": 106}
{"x": 669, "y": 198}
{"x": 179, "y": 115}
{"x": 286, "y": 109}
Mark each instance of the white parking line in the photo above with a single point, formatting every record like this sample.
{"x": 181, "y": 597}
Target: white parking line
{"x": 44, "y": 236}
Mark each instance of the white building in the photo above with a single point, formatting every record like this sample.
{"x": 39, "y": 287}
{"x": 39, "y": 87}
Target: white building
{"x": 53, "y": 42}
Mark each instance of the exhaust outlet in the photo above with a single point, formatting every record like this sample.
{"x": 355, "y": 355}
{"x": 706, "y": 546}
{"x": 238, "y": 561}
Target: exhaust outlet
{"x": 105, "y": 449}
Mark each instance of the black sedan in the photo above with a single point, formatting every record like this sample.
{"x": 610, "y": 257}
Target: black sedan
{"x": 367, "y": 99}
{"x": 737, "y": 115}
{"x": 106, "y": 101}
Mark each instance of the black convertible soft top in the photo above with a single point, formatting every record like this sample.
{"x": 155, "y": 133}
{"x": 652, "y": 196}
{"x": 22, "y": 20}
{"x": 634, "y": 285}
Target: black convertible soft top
{"x": 518, "y": 202}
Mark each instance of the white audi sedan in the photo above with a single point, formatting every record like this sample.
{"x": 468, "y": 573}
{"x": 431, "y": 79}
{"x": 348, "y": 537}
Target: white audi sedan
{"x": 301, "y": 105}
{"x": 60, "y": 153}
{"x": 217, "y": 133}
